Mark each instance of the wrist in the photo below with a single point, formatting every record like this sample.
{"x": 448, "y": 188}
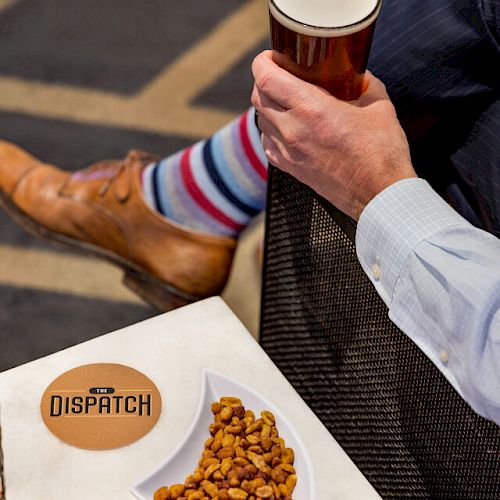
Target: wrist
{"x": 394, "y": 223}
{"x": 368, "y": 191}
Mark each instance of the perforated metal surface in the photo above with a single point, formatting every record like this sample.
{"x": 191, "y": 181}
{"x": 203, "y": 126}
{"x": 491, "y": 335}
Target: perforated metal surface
{"x": 387, "y": 405}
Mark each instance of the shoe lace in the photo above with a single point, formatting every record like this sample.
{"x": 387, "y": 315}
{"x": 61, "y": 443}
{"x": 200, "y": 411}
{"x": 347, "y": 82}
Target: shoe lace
{"x": 121, "y": 167}
{"x": 116, "y": 169}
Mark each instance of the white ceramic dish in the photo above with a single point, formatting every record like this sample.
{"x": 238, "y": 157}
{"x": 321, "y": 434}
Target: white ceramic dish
{"x": 184, "y": 459}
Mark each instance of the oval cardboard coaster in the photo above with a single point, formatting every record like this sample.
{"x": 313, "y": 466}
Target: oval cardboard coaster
{"x": 101, "y": 406}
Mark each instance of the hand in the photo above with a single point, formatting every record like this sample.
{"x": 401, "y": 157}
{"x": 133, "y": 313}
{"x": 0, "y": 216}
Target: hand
{"x": 346, "y": 152}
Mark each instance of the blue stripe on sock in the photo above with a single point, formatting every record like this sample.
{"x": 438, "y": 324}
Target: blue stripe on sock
{"x": 156, "y": 193}
{"x": 218, "y": 181}
{"x": 164, "y": 167}
{"x": 225, "y": 173}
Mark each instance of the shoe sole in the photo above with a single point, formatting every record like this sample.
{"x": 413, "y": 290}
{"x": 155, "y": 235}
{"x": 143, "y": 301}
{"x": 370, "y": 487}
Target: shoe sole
{"x": 156, "y": 292}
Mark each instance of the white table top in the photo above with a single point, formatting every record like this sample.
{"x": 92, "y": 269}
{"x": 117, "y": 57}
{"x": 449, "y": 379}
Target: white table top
{"x": 171, "y": 349}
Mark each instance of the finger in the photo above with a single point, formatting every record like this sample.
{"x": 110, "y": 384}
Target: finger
{"x": 271, "y": 132}
{"x": 273, "y": 139}
{"x": 278, "y": 84}
{"x": 272, "y": 152}
{"x": 262, "y": 102}
{"x": 284, "y": 130}
{"x": 269, "y": 110}
{"x": 373, "y": 90}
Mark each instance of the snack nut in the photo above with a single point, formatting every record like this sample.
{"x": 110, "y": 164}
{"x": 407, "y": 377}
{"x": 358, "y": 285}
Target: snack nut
{"x": 244, "y": 459}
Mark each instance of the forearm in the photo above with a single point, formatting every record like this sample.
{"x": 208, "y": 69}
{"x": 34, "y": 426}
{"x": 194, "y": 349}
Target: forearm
{"x": 440, "y": 277}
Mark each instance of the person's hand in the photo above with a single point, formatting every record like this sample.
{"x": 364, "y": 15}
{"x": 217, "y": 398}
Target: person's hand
{"x": 346, "y": 152}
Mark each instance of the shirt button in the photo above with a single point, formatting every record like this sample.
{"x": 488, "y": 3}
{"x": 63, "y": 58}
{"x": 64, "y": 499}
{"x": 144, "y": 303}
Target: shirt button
{"x": 444, "y": 356}
{"x": 376, "y": 272}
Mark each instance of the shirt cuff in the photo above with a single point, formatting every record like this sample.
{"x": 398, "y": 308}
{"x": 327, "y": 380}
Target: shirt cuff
{"x": 393, "y": 224}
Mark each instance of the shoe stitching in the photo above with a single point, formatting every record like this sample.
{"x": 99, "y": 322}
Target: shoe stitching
{"x": 108, "y": 214}
{"x": 18, "y": 182}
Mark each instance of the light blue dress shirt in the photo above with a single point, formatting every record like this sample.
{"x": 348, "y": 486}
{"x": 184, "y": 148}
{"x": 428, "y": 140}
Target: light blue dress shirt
{"x": 440, "y": 278}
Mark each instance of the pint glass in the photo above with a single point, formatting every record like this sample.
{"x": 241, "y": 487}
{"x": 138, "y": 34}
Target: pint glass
{"x": 325, "y": 42}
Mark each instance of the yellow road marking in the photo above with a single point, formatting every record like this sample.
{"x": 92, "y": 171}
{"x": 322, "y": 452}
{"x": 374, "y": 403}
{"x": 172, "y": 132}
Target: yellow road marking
{"x": 4, "y": 4}
{"x": 163, "y": 106}
{"x": 62, "y": 273}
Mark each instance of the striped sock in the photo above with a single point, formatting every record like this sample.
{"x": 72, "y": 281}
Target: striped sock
{"x": 215, "y": 186}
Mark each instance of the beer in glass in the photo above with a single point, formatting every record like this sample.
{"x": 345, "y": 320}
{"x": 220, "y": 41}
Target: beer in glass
{"x": 325, "y": 42}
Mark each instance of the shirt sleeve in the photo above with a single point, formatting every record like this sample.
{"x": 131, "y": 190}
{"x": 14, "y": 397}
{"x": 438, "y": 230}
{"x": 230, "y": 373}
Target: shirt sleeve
{"x": 440, "y": 278}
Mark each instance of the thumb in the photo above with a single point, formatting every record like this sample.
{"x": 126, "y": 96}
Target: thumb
{"x": 373, "y": 90}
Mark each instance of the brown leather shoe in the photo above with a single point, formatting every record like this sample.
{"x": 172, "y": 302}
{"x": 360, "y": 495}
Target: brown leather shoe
{"x": 101, "y": 210}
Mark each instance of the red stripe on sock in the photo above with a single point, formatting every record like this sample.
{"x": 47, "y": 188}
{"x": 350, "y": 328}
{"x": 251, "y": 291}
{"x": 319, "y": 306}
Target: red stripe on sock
{"x": 200, "y": 198}
{"x": 247, "y": 146}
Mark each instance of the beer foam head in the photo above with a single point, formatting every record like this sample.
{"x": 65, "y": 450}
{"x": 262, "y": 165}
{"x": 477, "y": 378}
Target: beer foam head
{"x": 325, "y": 18}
